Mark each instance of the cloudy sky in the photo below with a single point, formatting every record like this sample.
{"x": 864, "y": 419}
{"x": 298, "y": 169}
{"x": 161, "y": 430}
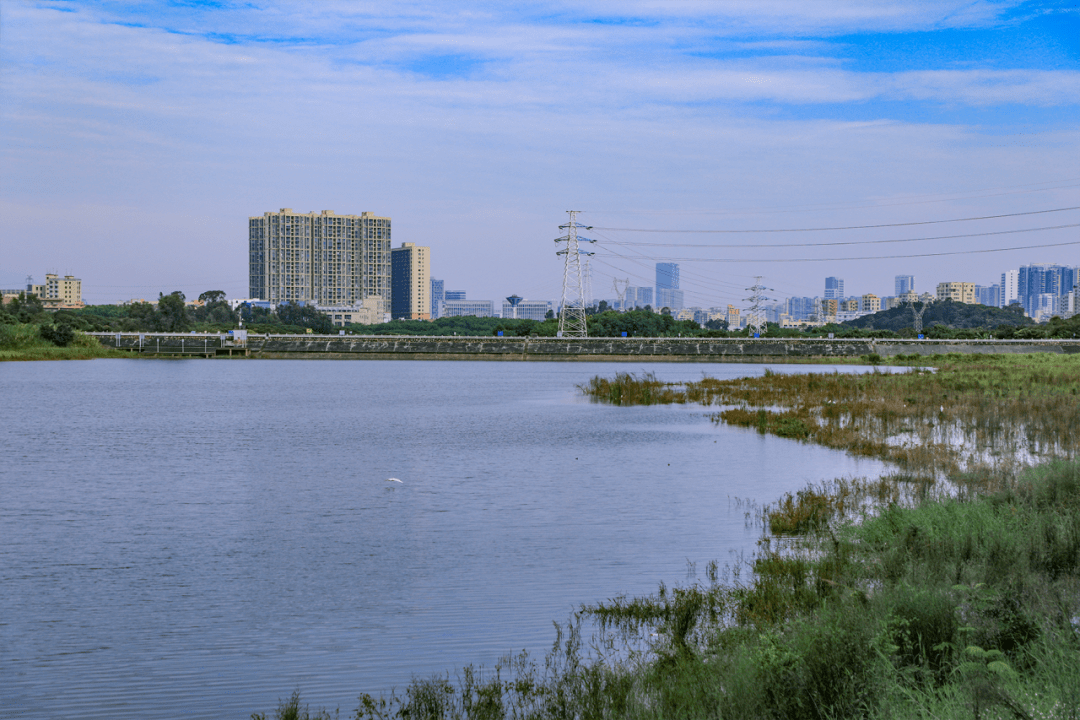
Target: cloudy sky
{"x": 137, "y": 137}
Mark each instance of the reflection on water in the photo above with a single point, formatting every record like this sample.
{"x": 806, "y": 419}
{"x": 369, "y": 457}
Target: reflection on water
{"x": 204, "y": 537}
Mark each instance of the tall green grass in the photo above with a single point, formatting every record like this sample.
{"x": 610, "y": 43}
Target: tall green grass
{"x": 24, "y": 342}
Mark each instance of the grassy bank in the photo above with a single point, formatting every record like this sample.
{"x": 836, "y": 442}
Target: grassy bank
{"x": 949, "y": 588}
{"x": 24, "y": 342}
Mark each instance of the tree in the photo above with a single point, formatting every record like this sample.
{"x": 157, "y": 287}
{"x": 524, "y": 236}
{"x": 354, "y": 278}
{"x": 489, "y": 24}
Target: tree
{"x": 305, "y": 316}
{"x": 27, "y": 307}
{"x": 716, "y": 324}
{"x": 172, "y": 314}
{"x": 212, "y": 296}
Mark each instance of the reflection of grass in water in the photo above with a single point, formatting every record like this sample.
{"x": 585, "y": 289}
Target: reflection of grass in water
{"x": 900, "y": 597}
{"x": 976, "y": 413}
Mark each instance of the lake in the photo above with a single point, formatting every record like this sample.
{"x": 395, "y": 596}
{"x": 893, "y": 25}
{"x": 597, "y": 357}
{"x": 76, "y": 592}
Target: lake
{"x": 200, "y": 538}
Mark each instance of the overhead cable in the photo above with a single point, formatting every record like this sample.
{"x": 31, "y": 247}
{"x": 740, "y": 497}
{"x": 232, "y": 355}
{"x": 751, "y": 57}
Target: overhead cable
{"x": 845, "y": 227}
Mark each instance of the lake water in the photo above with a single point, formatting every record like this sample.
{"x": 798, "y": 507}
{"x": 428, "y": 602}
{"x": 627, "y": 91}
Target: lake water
{"x": 199, "y": 538}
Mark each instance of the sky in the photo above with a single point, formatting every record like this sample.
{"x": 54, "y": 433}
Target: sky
{"x": 136, "y": 138}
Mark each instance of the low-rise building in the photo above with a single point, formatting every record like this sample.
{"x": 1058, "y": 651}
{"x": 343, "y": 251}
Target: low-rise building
{"x": 957, "y": 292}
{"x": 870, "y": 303}
{"x": 528, "y": 310}
{"x": 369, "y": 312}
{"x": 461, "y": 308}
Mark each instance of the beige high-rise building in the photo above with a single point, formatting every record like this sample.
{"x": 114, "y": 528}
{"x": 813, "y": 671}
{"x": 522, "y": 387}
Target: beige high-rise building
{"x": 322, "y": 258}
{"x": 957, "y": 292}
{"x": 410, "y": 282}
{"x": 870, "y": 303}
{"x": 59, "y": 293}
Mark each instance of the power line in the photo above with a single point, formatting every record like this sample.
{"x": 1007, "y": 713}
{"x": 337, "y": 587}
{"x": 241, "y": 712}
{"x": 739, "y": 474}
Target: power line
{"x": 876, "y": 257}
{"x": 847, "y": 227}
{"x": 843, "y": 242}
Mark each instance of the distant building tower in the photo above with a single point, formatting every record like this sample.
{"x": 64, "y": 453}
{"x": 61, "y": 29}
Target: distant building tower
{"x": 834, "y": 288}
{"x": 454, "y": 295}
{"x": 438, "y": 294}
{"x": 320, "y": 258}
{"x": 904, "y": 284}
{"x": 410, "y": 282}
{"x": 1010, "y": 288}
{"x": 668, "y": 294}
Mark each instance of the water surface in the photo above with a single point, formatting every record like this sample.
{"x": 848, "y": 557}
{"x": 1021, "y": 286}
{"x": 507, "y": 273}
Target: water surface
{"x": 200, "y": 538}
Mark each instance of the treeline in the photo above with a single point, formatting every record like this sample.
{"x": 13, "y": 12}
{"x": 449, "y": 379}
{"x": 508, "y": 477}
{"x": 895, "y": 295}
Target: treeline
{"x": 946, "y": 320}
{"x": 169, "y": 314}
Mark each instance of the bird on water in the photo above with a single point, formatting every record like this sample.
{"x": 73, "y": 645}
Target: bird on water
{"x": 394, "y": 480}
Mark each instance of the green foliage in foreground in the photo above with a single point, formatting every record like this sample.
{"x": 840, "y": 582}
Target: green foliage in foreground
{"x": 959, "y": 606}
{"x": 26, "y": 341}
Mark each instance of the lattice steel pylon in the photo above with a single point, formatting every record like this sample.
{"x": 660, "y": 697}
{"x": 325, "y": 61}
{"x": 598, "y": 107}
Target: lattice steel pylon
{"x": 919, "y": 313}
{"x": 755, "y": 316}
{"x": 572, "y": 313}
{"x": 620, "y": 295}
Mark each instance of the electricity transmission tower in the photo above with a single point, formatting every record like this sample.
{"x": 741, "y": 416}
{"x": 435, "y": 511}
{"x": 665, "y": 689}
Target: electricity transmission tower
{"x": 917, "y": 314}
{"x": 756, "y": 315}
{"x": 572, "y": 316}
{"x": 586, "y": 277}
{"x": 621, "y": 294}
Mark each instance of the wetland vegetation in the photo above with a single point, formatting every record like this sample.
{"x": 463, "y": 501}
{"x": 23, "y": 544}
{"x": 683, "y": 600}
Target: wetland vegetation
{"x": 949, "y": 588}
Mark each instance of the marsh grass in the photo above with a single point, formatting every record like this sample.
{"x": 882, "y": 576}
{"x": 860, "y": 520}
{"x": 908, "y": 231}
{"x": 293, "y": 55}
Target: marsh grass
{"x": 983, "y": 415}
{"x": 24, "y": 342}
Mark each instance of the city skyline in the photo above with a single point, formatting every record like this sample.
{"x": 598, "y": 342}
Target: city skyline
{"x": 156, "y": 130}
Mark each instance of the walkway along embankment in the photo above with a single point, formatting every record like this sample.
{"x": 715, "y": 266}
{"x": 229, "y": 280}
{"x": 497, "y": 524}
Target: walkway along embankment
{"x": 384, "y": 347}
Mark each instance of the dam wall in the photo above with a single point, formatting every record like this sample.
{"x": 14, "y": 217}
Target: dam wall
{"x": 380, "y": 347}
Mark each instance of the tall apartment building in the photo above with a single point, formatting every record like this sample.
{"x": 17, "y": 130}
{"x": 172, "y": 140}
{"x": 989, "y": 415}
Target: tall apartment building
{"x": 320, "y": 258}
{"x": 410, "y": 282}
{"x": 799, "y": 308}
{"x": 834, "y": 288}
{"x": 904, "y": 284}
{"x": 1010, "y": 288}
{"x": 668, "y": 294}
{"x": 870, "y": 303}
{"x": 988, "y": 295}
{"x": 438, "y": 294}
{"x": 638, "y": 297}
{"x": 59, "y": 292}
{"x": 957, "y": 292}
{"x": 1036, "y": 280}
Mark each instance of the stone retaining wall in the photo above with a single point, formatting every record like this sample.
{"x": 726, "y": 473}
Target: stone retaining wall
{"x": 653, "y": 349}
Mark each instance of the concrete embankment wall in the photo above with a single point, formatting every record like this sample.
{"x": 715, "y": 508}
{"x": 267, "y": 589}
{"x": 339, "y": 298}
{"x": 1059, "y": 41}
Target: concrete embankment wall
{"x": 628, "y": 349}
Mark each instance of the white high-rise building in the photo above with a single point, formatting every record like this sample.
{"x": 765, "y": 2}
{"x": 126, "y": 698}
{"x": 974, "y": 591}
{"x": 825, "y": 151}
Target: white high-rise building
{"x": 1010, "y": 288}
{"x": 320, "y": 258}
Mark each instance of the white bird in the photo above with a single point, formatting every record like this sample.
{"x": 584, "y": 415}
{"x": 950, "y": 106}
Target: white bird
{"x": 393, "y": 480}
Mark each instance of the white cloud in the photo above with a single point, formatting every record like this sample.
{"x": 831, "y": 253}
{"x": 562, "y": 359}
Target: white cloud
{"x": 184, "y": 136}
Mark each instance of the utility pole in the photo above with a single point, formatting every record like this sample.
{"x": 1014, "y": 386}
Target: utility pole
{"x": 572, "y": 313}
{"x": 755, "y": 315}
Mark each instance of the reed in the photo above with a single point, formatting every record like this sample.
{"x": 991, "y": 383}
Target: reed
{"x": 983, "y": 415}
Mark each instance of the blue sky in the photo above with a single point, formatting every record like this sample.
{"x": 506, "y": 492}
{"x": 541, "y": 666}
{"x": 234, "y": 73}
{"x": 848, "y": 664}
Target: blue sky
{"x": 136, "y": 138}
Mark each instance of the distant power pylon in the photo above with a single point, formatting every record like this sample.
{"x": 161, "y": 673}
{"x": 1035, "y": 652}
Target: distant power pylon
{"x": 620, "y": 294}
{"x": 917, "y": 314}
{"x": 572, "y": 314}
{"x": 755, "y": 314}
